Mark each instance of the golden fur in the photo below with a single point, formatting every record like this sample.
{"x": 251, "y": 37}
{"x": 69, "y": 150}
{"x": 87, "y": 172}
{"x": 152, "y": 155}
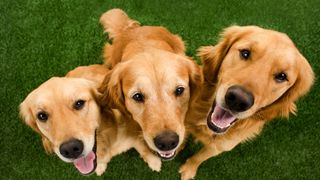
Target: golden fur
{"x": 151, "y": 61}
{"x": 94, "y": 72}
{"x": 57, "y": 96}
{"x": 271, "y": 52}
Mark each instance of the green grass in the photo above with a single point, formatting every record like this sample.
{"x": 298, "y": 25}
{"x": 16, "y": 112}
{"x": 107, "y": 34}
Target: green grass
{"x": 44, "y": 38}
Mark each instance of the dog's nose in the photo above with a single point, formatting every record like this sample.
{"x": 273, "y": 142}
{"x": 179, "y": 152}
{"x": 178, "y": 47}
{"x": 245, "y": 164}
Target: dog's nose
{"x": 71, "y": 149}
{"x": 166, "y": 141}
{"x": 238, "y": 99}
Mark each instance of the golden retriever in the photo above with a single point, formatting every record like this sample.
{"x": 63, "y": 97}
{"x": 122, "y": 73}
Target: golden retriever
{"x": 251, "y": 76}
{"x": 151, "y": 80}
{"x": 64, "y": 111}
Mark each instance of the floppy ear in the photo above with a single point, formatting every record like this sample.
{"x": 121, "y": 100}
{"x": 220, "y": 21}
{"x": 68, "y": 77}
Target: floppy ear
{"x": 93, "y": 87}
{"x": 26, "y": 115}
{"x": 195, "y": 77}
{"x": 286, "y": 104}
{"x": 48, "y": 147}
{"x": 212, "y": 56}
{"x": 111, "y": 90}
{"x": 302, "y": 85}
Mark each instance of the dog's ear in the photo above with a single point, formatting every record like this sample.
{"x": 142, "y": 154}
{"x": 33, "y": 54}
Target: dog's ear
{"x": 93, "y": 87}
{"x": 28, "y": 118}
{"x": 286, "y": 103}
{"x": 301, "y": 86}
{"x": 47, "y": 145}
{"x": 111, "y": 90}
{"x": 212, "y": 56}
{"x": 195, "y": 77}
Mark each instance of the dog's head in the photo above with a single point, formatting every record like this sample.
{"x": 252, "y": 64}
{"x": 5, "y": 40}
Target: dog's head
{"x": 257, "y": 72}
{"x": 154, "y": 88}
{"x": 65, "y": 113}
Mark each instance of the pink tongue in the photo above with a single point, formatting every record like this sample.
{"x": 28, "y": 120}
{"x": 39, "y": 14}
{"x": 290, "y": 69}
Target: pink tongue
{"x": 85, "y": 164}
{"x": 221, "y": 117}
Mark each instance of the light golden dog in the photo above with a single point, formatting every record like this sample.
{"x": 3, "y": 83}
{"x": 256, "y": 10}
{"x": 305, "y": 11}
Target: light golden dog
{"x": 152, "y": 80}
{"x": 251, "y": 76}
{"x": 64, "y": 111}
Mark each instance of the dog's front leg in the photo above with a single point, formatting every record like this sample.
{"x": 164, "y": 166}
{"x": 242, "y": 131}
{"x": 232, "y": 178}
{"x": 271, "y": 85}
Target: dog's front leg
{"x": 189, "y": 169}
{"x": 153, "y": 161}
{"x": 102, "y": 161}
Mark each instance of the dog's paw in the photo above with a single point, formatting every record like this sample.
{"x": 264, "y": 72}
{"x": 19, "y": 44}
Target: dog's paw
{"x": 188, "y": 171}
{"x": 154, "y": 162}
{"x": 101, "y": 168}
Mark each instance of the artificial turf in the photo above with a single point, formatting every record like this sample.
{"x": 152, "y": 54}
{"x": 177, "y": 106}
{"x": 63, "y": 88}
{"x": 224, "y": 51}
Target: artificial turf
{"x": 45, "y": 38}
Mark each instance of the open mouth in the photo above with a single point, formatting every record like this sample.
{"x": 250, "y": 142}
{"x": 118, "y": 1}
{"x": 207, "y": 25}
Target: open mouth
{"x": 87, "y": 164}
{"x": 220, "y": 119}
{"x": 167, "y": 155}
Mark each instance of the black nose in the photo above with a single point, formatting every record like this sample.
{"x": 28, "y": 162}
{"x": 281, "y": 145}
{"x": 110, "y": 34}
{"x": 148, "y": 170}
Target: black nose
{"x": 166, "y": 141}
{"x": 238, "y": 99}
{"x": 71, "y": 149}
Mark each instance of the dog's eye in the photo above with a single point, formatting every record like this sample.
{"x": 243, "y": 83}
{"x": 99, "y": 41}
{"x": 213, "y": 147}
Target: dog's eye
{"x": 138, "y": 97}
{"x": 78, "y": 104}
{"x": 281, "y": 77}
{"x": 42, "y": 116}
{"x": 245, "y": 54}
{"x": 179, "y": 91}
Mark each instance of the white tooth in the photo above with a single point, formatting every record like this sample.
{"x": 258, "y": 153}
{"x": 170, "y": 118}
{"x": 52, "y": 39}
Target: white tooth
{"x": 166, "y": 155}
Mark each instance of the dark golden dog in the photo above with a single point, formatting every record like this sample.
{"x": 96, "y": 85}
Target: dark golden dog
{"x": 152, "y": 80}
{"x": 251, "y": 76}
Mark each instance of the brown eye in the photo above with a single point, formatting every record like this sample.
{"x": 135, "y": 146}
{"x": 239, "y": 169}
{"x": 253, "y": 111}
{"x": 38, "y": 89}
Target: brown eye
{"x": 179, "y": 91}
{"x": 245, "y": 54}
{"x": 281, "y": 77}
{"x": 42, "y": 116}
{"x": 79, "y": 104}
{"x": 138, "y": 97}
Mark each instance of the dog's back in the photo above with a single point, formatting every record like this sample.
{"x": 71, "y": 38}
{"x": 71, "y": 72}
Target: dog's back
{"x": 129, "y": 38}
